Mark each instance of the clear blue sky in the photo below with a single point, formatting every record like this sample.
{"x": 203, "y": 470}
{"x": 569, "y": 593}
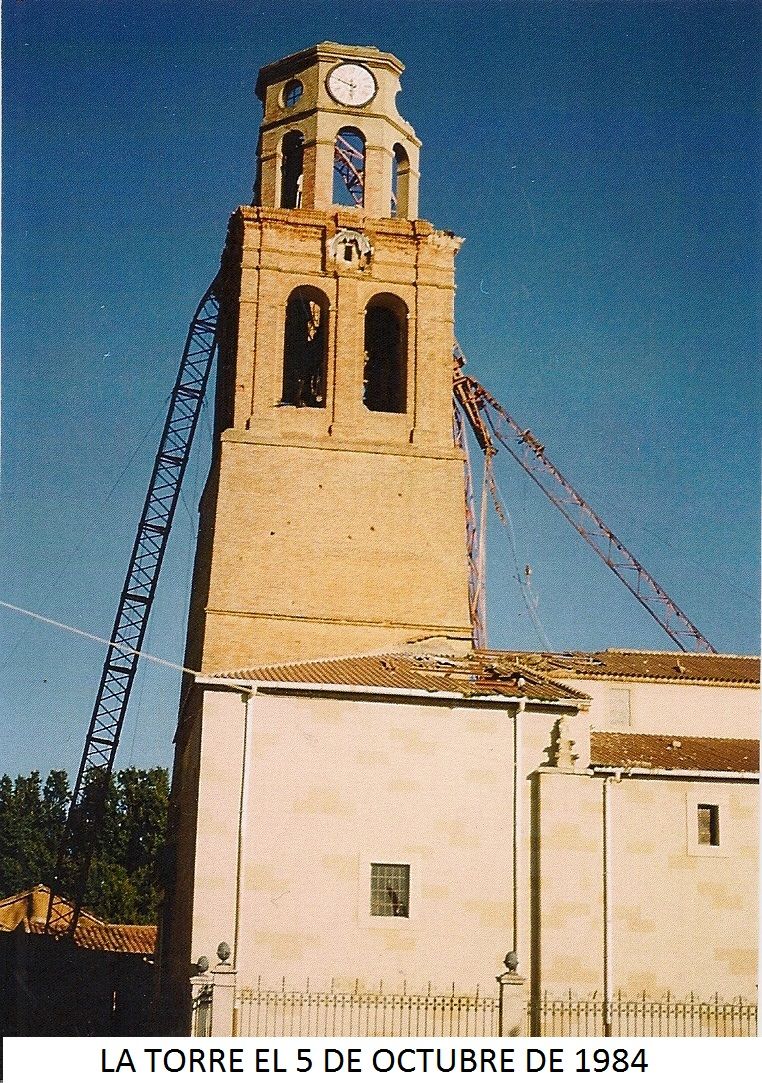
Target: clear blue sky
{"x": 602, "y": 161}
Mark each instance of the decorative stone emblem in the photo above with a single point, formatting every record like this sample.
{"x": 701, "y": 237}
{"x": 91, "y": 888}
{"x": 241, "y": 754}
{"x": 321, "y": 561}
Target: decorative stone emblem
{"x": 566, "y": 757}
{"x": 351, "y": 248}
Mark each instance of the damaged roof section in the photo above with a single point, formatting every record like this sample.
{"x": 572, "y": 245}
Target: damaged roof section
{"x": 647, "y": 751}
{"x": 537, "y": 676}
{"x": 486, "y": 674}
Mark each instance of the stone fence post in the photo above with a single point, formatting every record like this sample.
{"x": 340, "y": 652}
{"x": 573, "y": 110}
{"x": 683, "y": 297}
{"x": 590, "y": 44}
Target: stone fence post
{"x": 223, "y": 1007}
{"x": 512, "y": 1002}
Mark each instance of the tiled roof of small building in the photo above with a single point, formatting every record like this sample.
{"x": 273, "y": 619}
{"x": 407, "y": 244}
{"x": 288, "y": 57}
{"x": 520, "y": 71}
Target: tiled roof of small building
{"x": 661, "y": 753}
{"x": 130, "y": 939}
{"x": 677, "y": 666}
{"x": 28, "y": 909}
{"x": 478, "y": 673}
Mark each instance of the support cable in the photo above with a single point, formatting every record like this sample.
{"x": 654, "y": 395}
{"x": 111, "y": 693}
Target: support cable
{"x": 500, "y": 504}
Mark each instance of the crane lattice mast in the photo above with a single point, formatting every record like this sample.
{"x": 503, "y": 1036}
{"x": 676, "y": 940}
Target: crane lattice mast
{"x": 88, "y": 801}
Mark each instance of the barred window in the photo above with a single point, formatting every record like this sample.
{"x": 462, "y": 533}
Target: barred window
{"x": 709, "y": 825}
{"x": 390, "y": 891}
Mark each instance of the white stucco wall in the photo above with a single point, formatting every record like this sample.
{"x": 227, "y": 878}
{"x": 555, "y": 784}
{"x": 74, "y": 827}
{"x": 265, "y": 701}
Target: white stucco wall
{"x": 332, "y": 785}
{"x": 672, "y": 708}
{"x": 683, "y": 917}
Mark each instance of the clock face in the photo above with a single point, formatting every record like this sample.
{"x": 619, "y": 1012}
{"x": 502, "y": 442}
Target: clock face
{"x": 351, "y": 84}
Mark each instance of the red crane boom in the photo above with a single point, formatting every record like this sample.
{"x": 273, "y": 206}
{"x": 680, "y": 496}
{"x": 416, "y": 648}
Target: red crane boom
{"x": 489, "y": 419}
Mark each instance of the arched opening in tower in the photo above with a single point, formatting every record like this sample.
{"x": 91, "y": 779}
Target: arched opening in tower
{"x": 305, "y": 348}
{"x": 292, "y": 170}
{"x": 349, "y": 168}
{"x": 400, "y": 183}
{"x": 385, "y": 376}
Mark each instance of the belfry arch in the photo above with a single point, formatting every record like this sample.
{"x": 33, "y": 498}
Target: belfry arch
{"x": 305, "y": 348}
{"x": 385, "y": 355}
{"x": 349, "y": 167}
{"x": 292, "y": 170}
{"x": 400, "y": 202}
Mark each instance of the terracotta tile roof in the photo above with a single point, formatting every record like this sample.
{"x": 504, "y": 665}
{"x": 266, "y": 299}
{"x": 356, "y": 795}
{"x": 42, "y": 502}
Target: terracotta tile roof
{"x": 495, "y": 672}
{"x": 28, "y": 910}
{"x": 129, "y": 939}
{"x": 478, "y": 673}
{"x": 678, "y": 666}
{"x": 125, "y": 939}
{"x": 661, "y": 753}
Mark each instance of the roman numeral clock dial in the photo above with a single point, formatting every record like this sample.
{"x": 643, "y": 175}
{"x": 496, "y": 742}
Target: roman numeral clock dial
{"x": 351, "y": 84}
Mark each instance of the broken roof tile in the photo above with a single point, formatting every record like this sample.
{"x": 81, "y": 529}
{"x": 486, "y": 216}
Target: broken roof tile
{"x": 478, "y": 673}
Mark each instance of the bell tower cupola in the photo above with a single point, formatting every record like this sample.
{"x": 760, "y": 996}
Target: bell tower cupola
{"x": 331, "y": 133}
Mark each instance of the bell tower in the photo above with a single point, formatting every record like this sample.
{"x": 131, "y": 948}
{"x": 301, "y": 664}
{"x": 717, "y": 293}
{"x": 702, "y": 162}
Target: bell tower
{"x": 333, "y": 521}
{"x": 333, "y": 518}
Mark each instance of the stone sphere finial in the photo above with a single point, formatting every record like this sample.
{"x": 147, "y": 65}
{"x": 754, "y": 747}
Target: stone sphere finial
{"x": 223, "y": 952}
{"x": 202, "y": 965}
{"x": 512, "y": 962}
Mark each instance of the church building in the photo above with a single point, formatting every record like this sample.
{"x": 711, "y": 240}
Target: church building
{"x": 359, "y": 796}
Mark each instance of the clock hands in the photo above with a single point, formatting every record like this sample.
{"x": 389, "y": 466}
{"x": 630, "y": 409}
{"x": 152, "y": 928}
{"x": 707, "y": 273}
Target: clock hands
{"x": 357, "y": 83}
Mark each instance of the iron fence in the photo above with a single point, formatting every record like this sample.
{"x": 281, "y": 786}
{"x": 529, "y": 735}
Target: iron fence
{"x": 642, "y": 1018}
{"x": 201, "y": 1012}
{"x": 279, "y": 1013}
{"x": 361, "y": 1014}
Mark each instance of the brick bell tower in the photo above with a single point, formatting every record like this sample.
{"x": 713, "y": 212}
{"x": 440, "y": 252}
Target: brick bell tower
{"x": 333, "y": 521}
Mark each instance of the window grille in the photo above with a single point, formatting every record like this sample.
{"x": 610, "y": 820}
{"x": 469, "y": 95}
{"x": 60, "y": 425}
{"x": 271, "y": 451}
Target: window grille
{"x": 390, "y": 891}
{"x": 292, "y": 93}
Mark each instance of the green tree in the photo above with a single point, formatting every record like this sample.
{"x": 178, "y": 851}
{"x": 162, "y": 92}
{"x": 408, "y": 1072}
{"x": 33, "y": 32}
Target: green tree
{"x": 31, "y": 821}
{"x": 123, "y": 881}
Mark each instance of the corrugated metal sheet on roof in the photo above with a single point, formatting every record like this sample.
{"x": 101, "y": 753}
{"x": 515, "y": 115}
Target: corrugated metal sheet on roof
{"x": 659, "y": 753}
{"x": 480, "y": 673}
{"x": 30, "y": 907}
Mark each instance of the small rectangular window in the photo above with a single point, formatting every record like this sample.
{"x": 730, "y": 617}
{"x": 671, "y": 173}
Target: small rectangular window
{"x": 709, "y": 825}
{"x": 620, "y": 706}
{"x": 390, "y": 891}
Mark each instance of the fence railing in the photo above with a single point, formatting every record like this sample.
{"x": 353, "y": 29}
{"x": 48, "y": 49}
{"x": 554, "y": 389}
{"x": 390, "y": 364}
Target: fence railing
{"x": 362, "y": 1014}
{"x": 201, "y": 1012}
{"x": 641, "y": 1018}
{"x": 276, "y": 1013}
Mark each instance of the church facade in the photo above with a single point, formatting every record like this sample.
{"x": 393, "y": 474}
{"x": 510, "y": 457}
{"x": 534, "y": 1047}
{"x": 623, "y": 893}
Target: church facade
{"x": 358, "y": 795}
